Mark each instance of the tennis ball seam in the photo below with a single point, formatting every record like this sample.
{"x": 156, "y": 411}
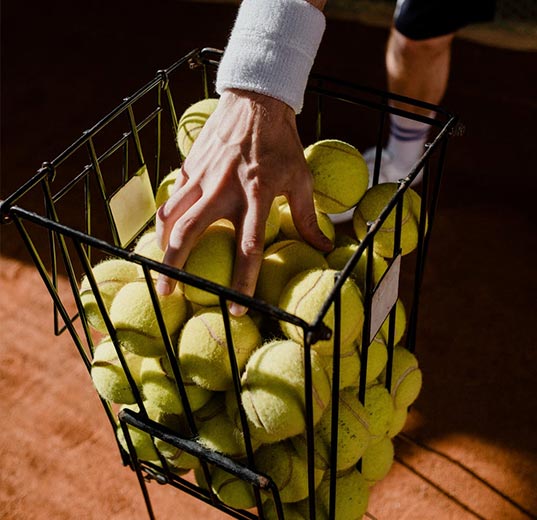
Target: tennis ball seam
{"x": 355, "y": 415}
{"x": 138, "y": 333}
{"x": 402, "y": 377}
{"x": 331, "y": 199}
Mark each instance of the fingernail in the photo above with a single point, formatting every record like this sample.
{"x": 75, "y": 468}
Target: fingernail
{"x": 163, "y": 287}
{"x": 236, "y": 309}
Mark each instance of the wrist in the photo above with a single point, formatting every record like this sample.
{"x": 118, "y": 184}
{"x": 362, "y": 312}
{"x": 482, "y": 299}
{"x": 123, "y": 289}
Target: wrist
{"x": 271, "y": 49}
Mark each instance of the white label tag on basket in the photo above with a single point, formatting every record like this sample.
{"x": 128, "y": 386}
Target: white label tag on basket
{"x": 385, "y": 297}
{"x": 133, "y": 205}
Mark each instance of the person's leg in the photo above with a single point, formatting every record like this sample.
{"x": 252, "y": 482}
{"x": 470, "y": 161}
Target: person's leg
{"x": 418, "y": 69}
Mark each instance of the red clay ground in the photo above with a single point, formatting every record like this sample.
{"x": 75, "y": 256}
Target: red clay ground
{"x": 469, "y": 450}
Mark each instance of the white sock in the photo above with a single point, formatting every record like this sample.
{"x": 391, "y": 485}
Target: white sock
{"x": 407, "y": 141}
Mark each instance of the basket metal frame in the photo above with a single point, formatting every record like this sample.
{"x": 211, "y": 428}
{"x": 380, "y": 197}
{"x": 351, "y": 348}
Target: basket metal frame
{"x": 71, "y": 251}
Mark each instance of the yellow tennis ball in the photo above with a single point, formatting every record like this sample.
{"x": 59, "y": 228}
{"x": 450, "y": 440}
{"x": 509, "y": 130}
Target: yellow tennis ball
{"x": 274, "y": 392}
{"x": 231, "y": 490}
{"x": 406, "y": 377}
{"x": 349, "y": 368}
{"x": 370, "y": 207}
{"x": 400, "y": 416}
{"x": 211, "y": 258}
{"x": 141, "y": 440}
{"x": 290, "y": 511}
{"x": 377, "y": 460}
{"x": 353, "y": 430}
{"x": 352, "y": 497}
{"x": 108, "y": 376}
{"x": 340, "y": 256}
{"x": 281, "y": 261}
{"x": 203, "y": 352}
{"x": 217, "y": 430}
{"x": 165, "y": 188}
{"x": 191, "y": 123}
{"x": 160, "y": 388}
{"x": 134, "y": 318}
{"x": 304, "y": 296}
{"x": 289, "y": 230}
{"x": 110, "y": 275}
{"x": 379, "y": 406}
{"x": 340, "y": 175}
{"x": 272, "y": 225}
{"x": 288, "y": 470}
{"x": 180, "y": 461}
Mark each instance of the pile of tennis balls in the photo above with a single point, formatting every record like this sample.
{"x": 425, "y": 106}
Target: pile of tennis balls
{"x": 269, "y": 357}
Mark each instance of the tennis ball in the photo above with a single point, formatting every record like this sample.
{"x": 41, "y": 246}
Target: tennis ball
{"x": 135, "y": 320}
{"x": 273, "y": 390}
{"x": 191, "y": 123}
{"x": 165, "y": 188}
{"x": 211, "y": 258}
{"x": 400, "y": 416}
{"x": 353, "y": 430}
{"x": 352, "y": 497}
{"x": 179, "y": 460}
{"x": 231, "y": 490}
{"x": 340, "y": 175}
{"x": 160, "y": 388}
{"x": 379, "y": 406}
{"x": 147, "y": 245}
{"x": 203, "y": 351}
{"x": 406, "y": 377}
{"x": 272, "y": 225}
{"x": 281, "y": 261}
{"x": 110, "y": 275}
{"x": 349, "y": 368}
{"x": 108, "y": 375}
{"x": 304, "y": 296}
{"x": 141, "y": 440}
{"x": 371, "y": 205}
{"x": 340, "y": 256}
{"x": 288, "y": 470}
{"x": 290, "y": 511}
{"x": 289, "y": 230}
{"x": 217, "y": 431}
{"x": 377, "y": 460}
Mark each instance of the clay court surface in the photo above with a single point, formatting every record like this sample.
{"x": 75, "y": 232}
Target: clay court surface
{"x": 469, "y": 449}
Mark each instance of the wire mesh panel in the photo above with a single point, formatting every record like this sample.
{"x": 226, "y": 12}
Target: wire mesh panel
{"x": 88, "y": 216}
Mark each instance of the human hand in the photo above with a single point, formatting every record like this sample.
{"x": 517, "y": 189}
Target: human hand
{"x": 248, "y": 153}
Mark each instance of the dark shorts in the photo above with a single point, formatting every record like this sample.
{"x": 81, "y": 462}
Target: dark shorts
{"x": 422, "y": 19}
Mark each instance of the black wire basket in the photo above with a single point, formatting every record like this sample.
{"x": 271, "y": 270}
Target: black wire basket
{"x": 95, "y": 200}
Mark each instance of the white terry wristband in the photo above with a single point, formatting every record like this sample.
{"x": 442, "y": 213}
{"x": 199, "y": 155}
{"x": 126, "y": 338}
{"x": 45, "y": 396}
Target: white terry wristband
{"x": 271, "y": 49}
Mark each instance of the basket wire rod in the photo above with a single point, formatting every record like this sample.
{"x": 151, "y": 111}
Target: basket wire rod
{"x": 334, "y": 426}
{"x": 375, "y": 105}
{"x": 310, "y": 434}
{"x": 380, "y": 141}
{"x": 170, "y": 351}
{"x": 366, "y": 332}
{"x": 137, "y": 468}
{"x": 158, "y": 136}
{"x": 102, "y": 189}
{"x": 176, "y": 371}
{"x": 136, "y": 137}
{"x": 47, "y": 171}
{"x": 391, "y": 96}
{"x": 412, "y": 328}
{"x": 237, "y": 390}
{"x": 105, "y": 155}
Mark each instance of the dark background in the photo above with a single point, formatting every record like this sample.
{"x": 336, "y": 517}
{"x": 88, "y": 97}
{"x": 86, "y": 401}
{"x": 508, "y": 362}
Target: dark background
{"x": 66, "y": 64}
